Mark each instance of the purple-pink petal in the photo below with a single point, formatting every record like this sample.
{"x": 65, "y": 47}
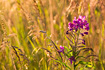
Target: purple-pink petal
{"x": 72, "y": 59}
{"x": 87, "y": 27}
{"x": 79, "y": 23}
{"x": 61, "y": 49}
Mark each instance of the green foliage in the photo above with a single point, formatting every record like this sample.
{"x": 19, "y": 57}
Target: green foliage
{"x": 63, "y": 64}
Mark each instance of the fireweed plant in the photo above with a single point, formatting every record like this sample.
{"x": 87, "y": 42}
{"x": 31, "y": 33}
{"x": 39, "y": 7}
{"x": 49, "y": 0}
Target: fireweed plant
{"x": 77, "y": 30}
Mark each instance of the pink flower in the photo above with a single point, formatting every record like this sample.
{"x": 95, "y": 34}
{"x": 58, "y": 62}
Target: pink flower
{"x": 72, "y": 59}
{"x": 61, "y": 49}
{"x": 79, "y": 23}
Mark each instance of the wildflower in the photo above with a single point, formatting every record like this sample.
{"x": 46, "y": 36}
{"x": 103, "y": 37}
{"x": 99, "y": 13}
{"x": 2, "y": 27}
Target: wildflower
{"x": 79, "y": 23}
{"x": 72, "y": 59}
{"x": 62, "y": 49}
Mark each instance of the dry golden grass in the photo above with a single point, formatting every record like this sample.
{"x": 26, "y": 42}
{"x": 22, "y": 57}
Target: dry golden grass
{"x": 27, "y": 24}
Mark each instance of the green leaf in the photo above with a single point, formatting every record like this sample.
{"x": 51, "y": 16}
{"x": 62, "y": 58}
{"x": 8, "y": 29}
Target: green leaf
{"x": 82, "y": 62}
{"x": 81, "y": 68}
{"x": 63, "y": 64}
{"x": 87, "y": 64}
{"x": 68, "y": 52}
{"x": 67, "y": 48}
{"x": 79, "y": 57}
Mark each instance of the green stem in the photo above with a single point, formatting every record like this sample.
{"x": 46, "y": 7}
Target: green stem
{"x": 76, "y": 43}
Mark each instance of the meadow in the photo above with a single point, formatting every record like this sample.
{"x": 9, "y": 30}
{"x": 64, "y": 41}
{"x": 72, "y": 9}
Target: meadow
{"x": 30, "y": 31}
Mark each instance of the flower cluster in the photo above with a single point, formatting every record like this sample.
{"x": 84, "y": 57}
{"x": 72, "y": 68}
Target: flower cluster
{"x": 78, "y": 24}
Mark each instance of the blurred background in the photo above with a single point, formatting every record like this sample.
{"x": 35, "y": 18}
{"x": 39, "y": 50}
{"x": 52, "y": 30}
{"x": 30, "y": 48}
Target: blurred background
{"x": 26, "y": 25}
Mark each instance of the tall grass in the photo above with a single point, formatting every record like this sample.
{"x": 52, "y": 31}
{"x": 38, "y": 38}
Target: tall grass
{"x": 26, "y": 27}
